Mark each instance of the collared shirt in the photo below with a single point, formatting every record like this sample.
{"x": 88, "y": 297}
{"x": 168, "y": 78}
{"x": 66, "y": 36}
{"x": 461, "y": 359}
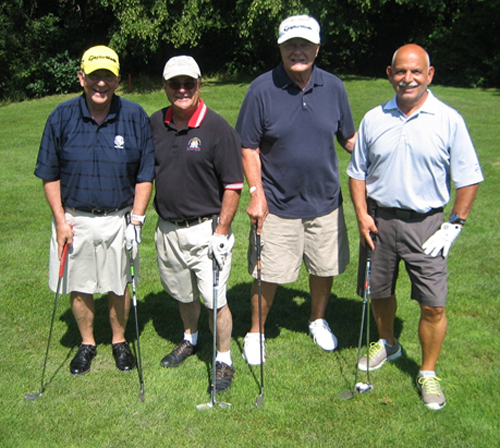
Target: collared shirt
{"x": 98, "y": 164}
{"x": 410, "y": 162}
{"x": 194, "y": 165}
{"x": 295, "y": 131}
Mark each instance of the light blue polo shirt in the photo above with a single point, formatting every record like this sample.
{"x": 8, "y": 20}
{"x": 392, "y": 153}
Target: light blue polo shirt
{"x": 411, "y": 162}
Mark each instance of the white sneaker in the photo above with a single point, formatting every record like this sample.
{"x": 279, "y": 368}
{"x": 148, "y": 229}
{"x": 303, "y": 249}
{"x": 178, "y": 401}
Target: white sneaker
{"x": 322, "y": 335}
{"x": 251, "y": 349}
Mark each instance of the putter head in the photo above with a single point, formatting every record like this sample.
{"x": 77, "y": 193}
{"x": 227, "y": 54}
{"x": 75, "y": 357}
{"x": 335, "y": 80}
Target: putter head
{"x": 32, "y": 397}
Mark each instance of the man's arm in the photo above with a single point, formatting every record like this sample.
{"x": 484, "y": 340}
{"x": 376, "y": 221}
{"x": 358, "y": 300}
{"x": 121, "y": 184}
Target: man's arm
{"x": 464, "y": 199}
{"x": 230, "y": 201}
{"x": 141, "y": 199}
{"x": 366, "y": 223}
{"x": 64, "y": 232}
{"x": 348, "y": 143}
{"x": 257, "y": 208}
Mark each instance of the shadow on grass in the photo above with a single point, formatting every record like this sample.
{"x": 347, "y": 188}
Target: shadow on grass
{"x": 291, "y": 310}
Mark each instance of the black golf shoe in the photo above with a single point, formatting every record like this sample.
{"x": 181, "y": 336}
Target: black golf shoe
{"x": 124, "y": 358}
{"x": 179, "y": 354}
{"x": 80, "y": 365}
{"x": 223, "y": 377}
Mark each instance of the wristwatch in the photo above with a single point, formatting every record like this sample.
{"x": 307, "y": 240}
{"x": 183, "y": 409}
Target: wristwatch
{"x": 455, "y": 219}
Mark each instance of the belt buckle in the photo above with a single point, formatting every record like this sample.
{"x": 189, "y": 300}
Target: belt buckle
{"x": 403, "y": 214}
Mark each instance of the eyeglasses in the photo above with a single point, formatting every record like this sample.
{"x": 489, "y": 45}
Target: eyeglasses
{"x": 108, "y": 77}
{"x": 188, "y": 85}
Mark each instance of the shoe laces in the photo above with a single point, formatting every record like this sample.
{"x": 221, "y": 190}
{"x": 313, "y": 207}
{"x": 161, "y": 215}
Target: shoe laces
{"x": 374, "y": 349}
{"x": 430, "y": 384}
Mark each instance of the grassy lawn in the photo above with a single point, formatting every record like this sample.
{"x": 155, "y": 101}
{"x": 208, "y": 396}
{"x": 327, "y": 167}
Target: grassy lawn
{"x": 303, "y": 383}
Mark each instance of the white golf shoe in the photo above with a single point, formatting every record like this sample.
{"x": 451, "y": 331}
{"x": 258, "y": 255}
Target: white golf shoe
{"x": 251, "y": 349}
{"x": 322, "y": 335}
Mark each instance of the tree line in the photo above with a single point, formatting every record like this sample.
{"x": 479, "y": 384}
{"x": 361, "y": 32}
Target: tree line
{"x": 41, "y": 41}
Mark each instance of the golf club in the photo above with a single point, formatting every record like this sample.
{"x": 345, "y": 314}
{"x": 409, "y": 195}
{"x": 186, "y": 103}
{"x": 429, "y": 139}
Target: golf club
{"x": 360, "y": 388}
{"x": 259, "y": 402}
{"x": 134, "y": 302}
{"x": 33, "y": 396}
{"x": 213, "y": 400}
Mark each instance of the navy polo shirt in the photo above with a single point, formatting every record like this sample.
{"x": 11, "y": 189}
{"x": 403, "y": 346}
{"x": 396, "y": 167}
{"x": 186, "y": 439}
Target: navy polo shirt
{"x": 295, "y": 131}
{"x": 98, "y": 164}
{"x": 195, "y": 164}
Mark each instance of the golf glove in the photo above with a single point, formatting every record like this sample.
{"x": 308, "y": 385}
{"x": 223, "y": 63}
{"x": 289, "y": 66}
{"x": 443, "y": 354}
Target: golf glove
{"x": 442, "y": 239}
{"x": 219, "y": 247}
{"x": 133, "y": 236}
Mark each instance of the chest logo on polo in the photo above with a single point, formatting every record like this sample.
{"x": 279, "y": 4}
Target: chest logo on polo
{"x": 119, "y": 142}
{"x": 194, "y": 144}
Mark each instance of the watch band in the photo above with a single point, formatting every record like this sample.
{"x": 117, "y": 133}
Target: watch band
{"x": 455, "y": 219}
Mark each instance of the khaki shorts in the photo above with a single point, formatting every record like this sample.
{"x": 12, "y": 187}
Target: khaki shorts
{"x": 398, "y": 240}
{"x": 97, "y": 261}
{"x": 186, "y": 271}
{"x": 320, "y": 242}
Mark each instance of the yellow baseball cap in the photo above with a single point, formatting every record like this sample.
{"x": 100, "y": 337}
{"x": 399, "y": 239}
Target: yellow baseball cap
{"x": 100, "y": 58}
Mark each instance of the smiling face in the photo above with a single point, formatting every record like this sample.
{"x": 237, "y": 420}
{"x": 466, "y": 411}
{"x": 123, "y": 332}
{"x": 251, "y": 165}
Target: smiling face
{"x": 410, "y": 74}
{"x": 99, "y": 87}
{"x": 298, "y": 56}
{"x": 183, "y": 92}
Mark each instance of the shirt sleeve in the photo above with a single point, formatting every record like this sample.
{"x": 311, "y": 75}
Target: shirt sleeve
{"x": 464, "y": 164}
{"x": 249, "y": 124}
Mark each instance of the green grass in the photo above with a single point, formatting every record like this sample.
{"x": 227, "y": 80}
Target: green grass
{"x": 302, "y": 405}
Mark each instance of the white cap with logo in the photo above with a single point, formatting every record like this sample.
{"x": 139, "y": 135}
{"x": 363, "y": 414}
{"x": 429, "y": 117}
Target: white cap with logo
{"x": 181, "y": 66}
{"x": 304, "y": 27}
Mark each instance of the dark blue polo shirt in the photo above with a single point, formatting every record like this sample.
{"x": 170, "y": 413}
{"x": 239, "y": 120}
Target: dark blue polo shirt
{"x": 98, "y": 165}
{"x": 295, "y": 131}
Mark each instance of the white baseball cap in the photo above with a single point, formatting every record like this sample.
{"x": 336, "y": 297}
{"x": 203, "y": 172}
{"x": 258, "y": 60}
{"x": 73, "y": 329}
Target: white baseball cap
{"x": 181, "y": 66}
{"x": 304, "y": 27}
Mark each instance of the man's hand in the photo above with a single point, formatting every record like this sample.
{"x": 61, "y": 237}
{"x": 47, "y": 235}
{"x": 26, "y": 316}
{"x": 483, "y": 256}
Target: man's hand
{"x": 133, "y": 237}
{"x": 219, "y": 247}
{"x": 442, "y": 239}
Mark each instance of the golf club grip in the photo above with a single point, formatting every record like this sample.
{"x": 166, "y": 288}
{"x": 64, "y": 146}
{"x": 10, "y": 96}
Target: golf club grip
{"x": 63, "y": 260}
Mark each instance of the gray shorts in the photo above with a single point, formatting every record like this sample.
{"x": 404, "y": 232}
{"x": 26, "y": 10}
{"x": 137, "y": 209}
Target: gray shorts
{"x": 397, "y": 240}
{"x": 97, "y": 261}
{"x": 186, "y": 271}
{"x": 320, "y": 242}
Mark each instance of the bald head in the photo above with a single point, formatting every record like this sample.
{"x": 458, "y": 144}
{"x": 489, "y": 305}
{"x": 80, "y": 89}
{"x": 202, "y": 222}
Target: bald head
{"x": 411, "y": 49}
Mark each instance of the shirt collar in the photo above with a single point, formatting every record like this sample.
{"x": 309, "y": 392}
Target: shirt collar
{"x": 284, "y": 81}
{"x": 195, "y": 120}
{"x": 113, "y": 110}
{"x": 428, "y": 107}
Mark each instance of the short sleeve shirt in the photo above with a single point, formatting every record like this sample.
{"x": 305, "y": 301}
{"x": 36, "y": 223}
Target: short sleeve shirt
{"x": 411, "y": 162}
{"x": 195, "y": 164}
{"x": 295, "y": 131}
{"x": 98, "y": 165}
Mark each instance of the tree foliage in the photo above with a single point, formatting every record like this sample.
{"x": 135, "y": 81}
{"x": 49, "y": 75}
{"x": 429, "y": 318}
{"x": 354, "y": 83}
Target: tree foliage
{"x": 41, "y": 41}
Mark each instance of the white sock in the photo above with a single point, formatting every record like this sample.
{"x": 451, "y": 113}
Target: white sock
{"x": 192, "y": 338}
{"x": 427, "y": 373}
{"x": 224, "y": 357}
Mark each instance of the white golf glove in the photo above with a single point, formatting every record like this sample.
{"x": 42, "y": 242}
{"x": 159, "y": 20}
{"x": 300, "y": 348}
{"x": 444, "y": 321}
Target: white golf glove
{"x": 442, "y": 239}
{"x": 133, "y": 237}
{"x": 219, "y": 247}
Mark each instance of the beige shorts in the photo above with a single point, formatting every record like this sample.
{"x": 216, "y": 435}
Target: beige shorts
{"x": 97, "y": 261}
{"x": 186, "y": 271}
{"x": 320, "y": 242}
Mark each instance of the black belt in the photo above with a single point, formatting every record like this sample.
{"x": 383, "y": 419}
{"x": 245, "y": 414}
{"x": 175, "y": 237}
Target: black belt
{"x": 189, "y": 222}
{"x": 407, "y": 215}
{"x": 97, "y": 211}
